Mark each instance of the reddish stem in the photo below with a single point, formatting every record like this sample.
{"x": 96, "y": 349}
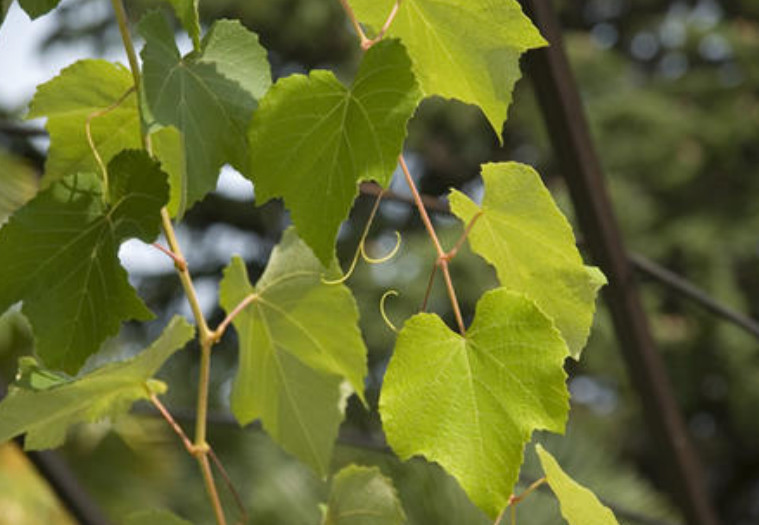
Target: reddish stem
{"x": 442, "y": 256}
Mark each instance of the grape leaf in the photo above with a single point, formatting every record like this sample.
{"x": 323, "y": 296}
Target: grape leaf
{"x": 154, "y": 517}
{"x": 37, "y": 8}
{"x": 208, "y": 96}
{"x": 59, "y": 255}
{"x": 187, "y": 13}
{"x": 81, "y": 90}
{"x": 18, "y": 184}
{"x": 463, "y": 49}
{"x": 45, "y": 415}
{"x": 579, "y": 506}
{"x": 526, "y": 237}
{"x": 298, "y": 338}
{"x": 471, "y": 403}
{"x": 312, "y": 140}
{"x": 363, "y": 496}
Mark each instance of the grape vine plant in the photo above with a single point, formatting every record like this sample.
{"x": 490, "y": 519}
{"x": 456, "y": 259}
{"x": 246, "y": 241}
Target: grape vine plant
{"x": 133, "y": 147}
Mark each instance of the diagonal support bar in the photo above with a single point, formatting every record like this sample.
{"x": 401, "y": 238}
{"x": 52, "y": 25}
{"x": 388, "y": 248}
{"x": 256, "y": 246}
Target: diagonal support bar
{"x": 562, "y": 109}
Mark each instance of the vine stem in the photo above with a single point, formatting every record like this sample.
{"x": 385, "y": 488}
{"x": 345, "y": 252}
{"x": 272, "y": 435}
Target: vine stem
{"x": 356, "y": 26}
{"x": 443, "y": 257}
{"x": 515, "y": 500}
{"x": 206, "y": 336}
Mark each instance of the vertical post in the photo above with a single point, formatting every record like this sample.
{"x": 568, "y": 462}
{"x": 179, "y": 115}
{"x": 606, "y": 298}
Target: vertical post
{"x": 557, "y": 94}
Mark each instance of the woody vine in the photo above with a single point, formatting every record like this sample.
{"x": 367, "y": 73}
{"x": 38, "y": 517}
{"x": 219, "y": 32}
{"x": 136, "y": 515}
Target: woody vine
{"x": 132, "y": 149}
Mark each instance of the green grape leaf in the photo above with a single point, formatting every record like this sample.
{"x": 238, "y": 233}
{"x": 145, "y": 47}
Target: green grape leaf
{"x": 463, "y": 49}
{"x": 83, "y": 89}
{"x": 299, "y": 338}
{"x": 59, "y": 255}
{"x": 208, "y": 96}
{"x": 37, "y": 8}
{"x": 312, "y": 140}
{"x": 45, "y": 415}
{"x": 187, "y": 13}
{"x": 524, "y": 235}
{"x": 579, "y": 506}
{"x": 363, "y": 496}
{"x": 471, "y": 403}
{"x": 154, "y": 517}
{"x": 18, "y": 184}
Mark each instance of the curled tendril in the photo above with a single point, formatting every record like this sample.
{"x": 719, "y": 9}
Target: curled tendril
{"x": 360, "y": 249}
{"x": 385, "y": 258}
{"x": 383, "y": 312}
{"x": 88, "y": 133}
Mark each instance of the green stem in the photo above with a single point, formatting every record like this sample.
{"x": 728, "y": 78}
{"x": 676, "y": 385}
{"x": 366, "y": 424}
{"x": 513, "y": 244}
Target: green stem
{"x": 205, "y": 468}
{"x": 207, "y": 337}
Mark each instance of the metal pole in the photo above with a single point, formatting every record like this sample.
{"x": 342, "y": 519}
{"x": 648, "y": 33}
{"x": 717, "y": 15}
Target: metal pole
{"x": 562, "y": 108}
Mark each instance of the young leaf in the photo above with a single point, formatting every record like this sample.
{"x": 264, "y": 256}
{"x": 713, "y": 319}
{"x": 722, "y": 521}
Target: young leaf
{"x": 37, "y": 8}
{"x": 187, "y": 13}
{"x": 208, "y": 96}
{"x": 80, "y": 90}
{"x": 298, "y": 339}
{"x": 363, "y": 496}
{"x": 471, "y": 403}
{"x": 45, "y": 415}
{"x": 526, "y": 237}
{"x": 59, "y": 255}
{"x": 579, "y": 506}
{"x": 312, "y": 140}
{"x": 463, "y": 49}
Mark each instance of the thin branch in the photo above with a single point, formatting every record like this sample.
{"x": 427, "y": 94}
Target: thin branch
{"x": 442, "y": 259}
{"x": 179, "y": 262}
{"x": 173, "y": 424}
{"x": 365, "y": 45}
{"x": 230, "y": 486}
{"x": 205, "y": 468}
{"x": 453, "y": 251}
{"x": 427, "y": 293}
{"x": 687, "y": 289}
{"x": 206, "y": 336}
{"x": 356, "y": 25}
{"x": 219, "y": 332}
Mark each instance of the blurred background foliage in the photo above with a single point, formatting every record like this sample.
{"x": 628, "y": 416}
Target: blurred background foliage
{"x": 671, "y": 91}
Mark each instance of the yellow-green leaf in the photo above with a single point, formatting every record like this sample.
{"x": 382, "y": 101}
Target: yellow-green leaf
{"x": 463, "y": 49}
{"x": 579, "y": 506}
{"x": 471, "y": 403}
{"x": 524, "y": 235}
